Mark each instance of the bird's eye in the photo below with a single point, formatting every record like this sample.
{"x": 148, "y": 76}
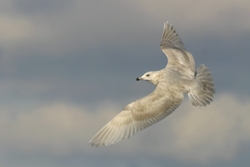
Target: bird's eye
{"x": 148, "y": 75}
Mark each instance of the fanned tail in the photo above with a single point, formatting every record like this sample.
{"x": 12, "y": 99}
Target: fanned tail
{"x": 202, "y": 91}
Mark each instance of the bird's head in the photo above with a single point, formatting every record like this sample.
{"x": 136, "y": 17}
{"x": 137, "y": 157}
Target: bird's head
{"x": 150, "y": 76}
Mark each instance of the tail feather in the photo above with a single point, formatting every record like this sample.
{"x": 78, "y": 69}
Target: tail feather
{"x": 202, "y": 91}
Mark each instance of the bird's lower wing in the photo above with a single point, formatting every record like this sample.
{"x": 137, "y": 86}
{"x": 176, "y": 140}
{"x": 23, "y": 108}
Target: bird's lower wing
{"x": 137, "y": 116}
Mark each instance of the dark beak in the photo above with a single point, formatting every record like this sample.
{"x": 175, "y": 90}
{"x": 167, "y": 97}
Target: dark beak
{"x": 138, "y": 79}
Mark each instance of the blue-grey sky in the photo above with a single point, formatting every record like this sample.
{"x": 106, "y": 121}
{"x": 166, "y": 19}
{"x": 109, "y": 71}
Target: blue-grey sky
{"x": 68, "y": 67}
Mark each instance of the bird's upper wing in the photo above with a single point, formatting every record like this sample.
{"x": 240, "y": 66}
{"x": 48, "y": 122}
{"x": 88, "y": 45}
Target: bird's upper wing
{"x": 137, "y": 116}
{"x": 178, "y": 57}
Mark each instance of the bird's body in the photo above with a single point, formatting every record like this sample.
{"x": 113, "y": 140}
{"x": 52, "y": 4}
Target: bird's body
{"x": 177, "y": 78}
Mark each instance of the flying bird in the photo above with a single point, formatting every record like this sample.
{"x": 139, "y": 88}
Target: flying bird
{"x": 179, "y": 77}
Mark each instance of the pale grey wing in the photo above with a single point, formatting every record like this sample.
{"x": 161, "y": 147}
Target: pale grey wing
{"x": 175, "y": 51}
{"x": 137, "y": 116}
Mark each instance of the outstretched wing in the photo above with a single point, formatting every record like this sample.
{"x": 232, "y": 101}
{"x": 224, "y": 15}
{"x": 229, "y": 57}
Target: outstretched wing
{"x": 137, "y": 116}
{"x": 178, "y": 57}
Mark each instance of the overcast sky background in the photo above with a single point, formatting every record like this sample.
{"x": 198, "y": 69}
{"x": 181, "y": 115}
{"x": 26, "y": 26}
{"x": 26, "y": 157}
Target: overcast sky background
{"x": 68, "y": 67}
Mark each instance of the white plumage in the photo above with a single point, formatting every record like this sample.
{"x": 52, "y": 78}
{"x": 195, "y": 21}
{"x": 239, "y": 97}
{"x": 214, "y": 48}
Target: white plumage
{"x": 172, "y": 82}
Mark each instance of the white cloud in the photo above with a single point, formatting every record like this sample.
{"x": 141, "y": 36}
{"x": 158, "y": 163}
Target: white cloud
{"x": 53, "y": 128}
{"x": 221, "y": 18}
{"x": 199, "y": 135}
{"x": 214, "y": 132}
{"x": 14, "y": 29}
{"x": 84, "y": 24}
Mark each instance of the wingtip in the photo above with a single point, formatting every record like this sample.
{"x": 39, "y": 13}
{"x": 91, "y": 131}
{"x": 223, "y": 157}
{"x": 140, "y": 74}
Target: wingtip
{"x": 96, "y": 144}
{"x": 93, "y": 144}
{"x": 170, "y": 36}
{"x": 166, "y": 24}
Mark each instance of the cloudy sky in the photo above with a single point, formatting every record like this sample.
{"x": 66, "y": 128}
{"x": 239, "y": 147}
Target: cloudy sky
{"x": 68, "y": 67}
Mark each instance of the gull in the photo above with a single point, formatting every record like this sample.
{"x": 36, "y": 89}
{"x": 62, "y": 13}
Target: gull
{"x": 178, "y": 78}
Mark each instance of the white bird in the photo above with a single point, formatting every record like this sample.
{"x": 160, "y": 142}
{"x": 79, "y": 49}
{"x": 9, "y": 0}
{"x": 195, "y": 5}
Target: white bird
{"x": 177, "y": 78}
